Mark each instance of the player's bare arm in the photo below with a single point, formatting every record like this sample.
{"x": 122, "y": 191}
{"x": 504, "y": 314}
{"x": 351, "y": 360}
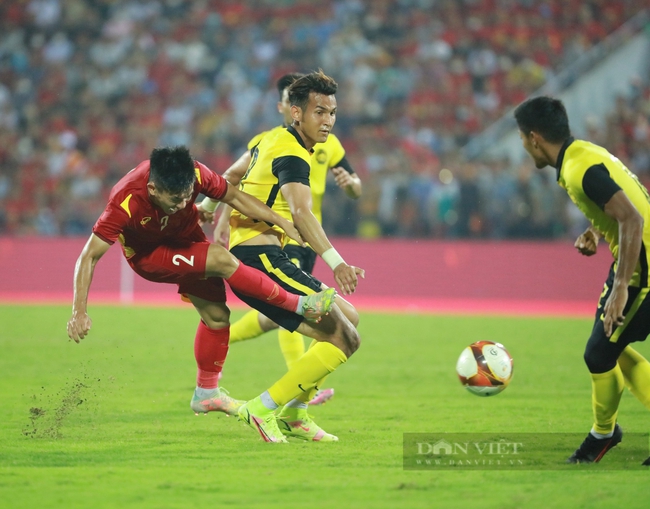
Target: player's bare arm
{"x": 252, "y": 207}
{"x": 237, "y": 170}
{"x": 349, "y": 182}
{"x": 630, "y": 232}
{"x": 587, "y": 242}
{"x": 233, "y": 175}
{"x": 298, "y": 197}
{"x": 80, "y": 323}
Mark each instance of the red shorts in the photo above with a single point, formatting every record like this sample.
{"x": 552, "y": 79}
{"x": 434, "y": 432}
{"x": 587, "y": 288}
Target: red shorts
{"x": 184, "y": 266}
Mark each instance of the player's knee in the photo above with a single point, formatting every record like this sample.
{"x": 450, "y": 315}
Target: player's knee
{"x": 216, "y": 317}
{"x": 597, "y": 361}
{"x": 352, "y": 340}
{"x": 220, "y": 262}
{"x": 353, "y": 316}
{"x": 349, "y": 311}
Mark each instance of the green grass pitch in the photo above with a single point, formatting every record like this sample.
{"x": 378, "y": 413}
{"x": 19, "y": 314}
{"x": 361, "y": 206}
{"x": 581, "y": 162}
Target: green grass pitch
{"x": 107, "y": 424}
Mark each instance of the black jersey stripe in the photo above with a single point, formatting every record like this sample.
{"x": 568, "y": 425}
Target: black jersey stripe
{"x": 271, "y": 199}
{"x": 273, "y": 195}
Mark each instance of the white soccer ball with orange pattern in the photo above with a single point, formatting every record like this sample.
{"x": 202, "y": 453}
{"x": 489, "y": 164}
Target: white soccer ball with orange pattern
{"x": 485, "y": 368}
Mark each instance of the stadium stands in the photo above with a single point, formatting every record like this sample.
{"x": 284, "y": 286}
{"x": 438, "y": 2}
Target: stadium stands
{"x": 87, "y": 88}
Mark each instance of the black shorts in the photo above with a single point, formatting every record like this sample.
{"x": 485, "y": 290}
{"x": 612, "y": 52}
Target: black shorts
{"x": 636, "y": 326}
{"x": 303, "y": 257}
{"x": 275, "y": 263}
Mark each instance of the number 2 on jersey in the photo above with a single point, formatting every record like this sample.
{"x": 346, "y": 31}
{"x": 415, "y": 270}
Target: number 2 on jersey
{"x": 177, "y": 259}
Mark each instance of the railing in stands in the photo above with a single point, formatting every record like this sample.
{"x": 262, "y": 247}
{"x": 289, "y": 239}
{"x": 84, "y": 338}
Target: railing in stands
{"x": 559, "y": 82}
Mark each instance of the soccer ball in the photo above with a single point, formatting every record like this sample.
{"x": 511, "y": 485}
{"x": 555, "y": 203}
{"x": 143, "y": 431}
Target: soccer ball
{"x": 484, "y": 368}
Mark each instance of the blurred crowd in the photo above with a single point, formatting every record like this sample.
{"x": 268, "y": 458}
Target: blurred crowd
{"x": 89, "y": 87}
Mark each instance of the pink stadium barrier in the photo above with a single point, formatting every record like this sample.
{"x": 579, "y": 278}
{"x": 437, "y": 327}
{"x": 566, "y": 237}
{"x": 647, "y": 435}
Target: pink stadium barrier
{"x": 532, "y": 278}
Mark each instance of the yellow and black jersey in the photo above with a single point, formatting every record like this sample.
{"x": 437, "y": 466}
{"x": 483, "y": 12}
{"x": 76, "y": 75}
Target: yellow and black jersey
{"x": 329, "y": 154}
{"x": 591, "y": 176}
{"x": 326, "y": 155}
{"x": 279, "y": 158}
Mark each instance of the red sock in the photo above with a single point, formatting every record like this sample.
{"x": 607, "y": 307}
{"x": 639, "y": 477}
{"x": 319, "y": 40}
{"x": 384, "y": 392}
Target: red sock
{"x": 210, "y": 350}
{"x": 255, "y": 283}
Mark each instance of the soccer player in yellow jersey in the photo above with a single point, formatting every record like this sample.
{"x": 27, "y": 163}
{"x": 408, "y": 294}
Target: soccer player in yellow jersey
{"x": 278, "y": 174}
{"x": 326, "y": 156}
{"x": 618, "y": 207}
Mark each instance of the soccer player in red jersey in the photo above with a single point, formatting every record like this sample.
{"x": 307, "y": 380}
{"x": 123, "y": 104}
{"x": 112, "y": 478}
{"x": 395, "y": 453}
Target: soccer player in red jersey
{"x": 151, "y": 212}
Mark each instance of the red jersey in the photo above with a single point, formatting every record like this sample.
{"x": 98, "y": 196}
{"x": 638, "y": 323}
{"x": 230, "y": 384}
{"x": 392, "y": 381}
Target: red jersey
{"x": 140, "y": 226}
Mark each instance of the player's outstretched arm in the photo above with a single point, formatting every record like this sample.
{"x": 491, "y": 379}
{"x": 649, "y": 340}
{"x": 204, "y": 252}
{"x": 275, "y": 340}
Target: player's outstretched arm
{"x": 80, "y": 323}
{"x": 299, "y": 198}
{"x": 630, "y": 233}
{"x": 252, "y": 207}
{"x": 237, "y": 170}
{"x": 349, "y": 182}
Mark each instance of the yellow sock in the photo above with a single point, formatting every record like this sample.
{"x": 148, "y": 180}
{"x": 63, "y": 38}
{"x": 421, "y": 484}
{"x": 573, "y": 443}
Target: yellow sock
{"x": 292, "y": 346}
{"x": 606, "y": 390}
{"x": 306, "y": 397}
{"x": 247, "y": 327}
{"x": 319, "y": 361}
{"x": 636, "y": 372}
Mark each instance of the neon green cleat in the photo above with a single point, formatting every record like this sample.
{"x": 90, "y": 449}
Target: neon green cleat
{"x": 318, "y": 304}
{"x": 298, "y": 423}
{"x": 219, "y": 402}
{"x": 261, "y": 419}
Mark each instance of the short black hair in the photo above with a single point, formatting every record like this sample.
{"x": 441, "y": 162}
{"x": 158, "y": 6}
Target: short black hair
{"x": 172, "y": 169}
{"x": 317, "y": 82}
{"x": 544, "y": 115}
{"x": 286, "y": 81}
